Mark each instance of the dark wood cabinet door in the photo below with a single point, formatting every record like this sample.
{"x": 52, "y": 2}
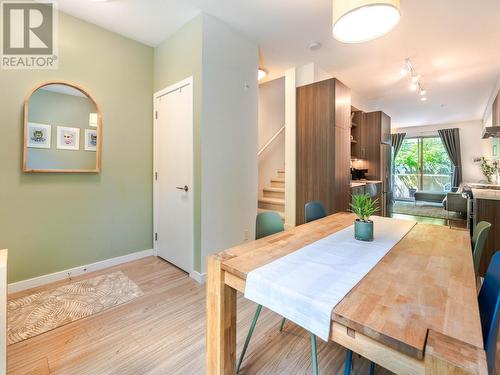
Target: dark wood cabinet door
{"x": 323, "y": 146}
{"x": 342, "y": 175}
{"x": 488, "y": 210}
{"x": 315, "y": 139}
{"x": 342, "y": 105}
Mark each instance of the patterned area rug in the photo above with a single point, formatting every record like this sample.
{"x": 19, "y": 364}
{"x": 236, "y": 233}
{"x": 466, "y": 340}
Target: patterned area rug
{"x": 41, "y": 312}
{"x": 426, "y": 209}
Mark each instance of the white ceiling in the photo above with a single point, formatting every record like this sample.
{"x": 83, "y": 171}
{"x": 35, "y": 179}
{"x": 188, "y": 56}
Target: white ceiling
{"x": 453, "y": 44}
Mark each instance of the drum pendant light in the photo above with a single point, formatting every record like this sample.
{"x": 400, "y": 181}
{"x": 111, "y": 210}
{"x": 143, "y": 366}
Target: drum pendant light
{"x": 356, "y": 21}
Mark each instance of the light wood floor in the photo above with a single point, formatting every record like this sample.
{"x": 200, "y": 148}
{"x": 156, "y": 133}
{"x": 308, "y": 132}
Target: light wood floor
{"x": 163, "y": 332}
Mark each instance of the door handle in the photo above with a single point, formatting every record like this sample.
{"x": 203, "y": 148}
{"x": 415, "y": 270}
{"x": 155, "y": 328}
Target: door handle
{"x": 185, "y": 188}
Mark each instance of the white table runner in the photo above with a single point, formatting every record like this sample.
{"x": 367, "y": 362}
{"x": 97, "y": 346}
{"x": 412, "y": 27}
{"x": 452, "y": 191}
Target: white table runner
{"x": 306, "y": 285}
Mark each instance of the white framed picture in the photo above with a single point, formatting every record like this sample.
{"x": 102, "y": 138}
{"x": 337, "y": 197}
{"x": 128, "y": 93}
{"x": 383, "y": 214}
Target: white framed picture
{"x": 90, "y": 140}
{"x": 68, "y": 138}
{"x": 93, "y": 119}
{"x": 39, "y": 135}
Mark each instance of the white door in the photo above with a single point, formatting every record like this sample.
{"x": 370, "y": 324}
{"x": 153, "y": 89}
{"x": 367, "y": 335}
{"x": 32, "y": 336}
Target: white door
{"x": 174, "y": 174}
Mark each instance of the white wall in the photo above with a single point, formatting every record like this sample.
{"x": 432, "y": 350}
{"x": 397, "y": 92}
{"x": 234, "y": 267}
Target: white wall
{"x": 471, "y": 144}
{"x": 487, "y": 117}
{"x": 290, "y": 146}
{"x": 228, "y": 137}
{"x": 310, "y": 73}
{"x": 271, "y": 119}
{"x": 304, "y": 74}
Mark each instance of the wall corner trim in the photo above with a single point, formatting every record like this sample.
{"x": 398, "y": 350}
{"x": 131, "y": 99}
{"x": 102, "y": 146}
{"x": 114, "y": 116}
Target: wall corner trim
{"x": 77, "y": 271}
{"x": 198, "y": 277}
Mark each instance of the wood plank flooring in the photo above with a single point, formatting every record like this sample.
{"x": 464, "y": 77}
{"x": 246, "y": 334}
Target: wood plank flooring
{"x": 163, "y": 332}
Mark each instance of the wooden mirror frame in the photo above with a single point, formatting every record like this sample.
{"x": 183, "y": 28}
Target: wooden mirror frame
{"x": 25, "y": 132}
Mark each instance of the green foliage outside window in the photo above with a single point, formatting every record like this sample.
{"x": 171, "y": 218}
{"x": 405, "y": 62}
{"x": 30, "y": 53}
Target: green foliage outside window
{"x": 436, "y": 165}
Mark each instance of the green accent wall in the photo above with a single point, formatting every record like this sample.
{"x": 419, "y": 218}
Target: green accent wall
{"x": 51, "y": 222}
{"x": 177, "y": 58}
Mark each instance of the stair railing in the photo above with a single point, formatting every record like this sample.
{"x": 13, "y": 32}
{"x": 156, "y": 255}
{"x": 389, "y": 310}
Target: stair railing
{"x": 281, "y": 130}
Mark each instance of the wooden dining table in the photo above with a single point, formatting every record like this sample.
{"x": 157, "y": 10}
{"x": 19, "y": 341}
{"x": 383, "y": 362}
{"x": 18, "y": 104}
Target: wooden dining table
{"x": 415, "y": 312}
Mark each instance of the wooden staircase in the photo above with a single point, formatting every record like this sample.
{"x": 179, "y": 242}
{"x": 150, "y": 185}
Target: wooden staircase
{"x": 273, "y": 197}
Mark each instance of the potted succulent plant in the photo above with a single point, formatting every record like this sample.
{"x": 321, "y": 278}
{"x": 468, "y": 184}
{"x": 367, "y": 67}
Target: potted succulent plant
{"x": 364, "y": 207}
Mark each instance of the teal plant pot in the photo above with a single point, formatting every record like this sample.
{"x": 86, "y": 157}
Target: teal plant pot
{"x": 363, "y": 231}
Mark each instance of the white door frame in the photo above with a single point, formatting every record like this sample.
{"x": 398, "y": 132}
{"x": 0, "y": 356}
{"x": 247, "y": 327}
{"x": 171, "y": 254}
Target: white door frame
{"x": 185, "y": 82}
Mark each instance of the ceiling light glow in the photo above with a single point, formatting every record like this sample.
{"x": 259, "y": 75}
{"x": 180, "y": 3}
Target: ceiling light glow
{"x": 261, "y": 74}
{"x": 356, "y": 21}
{"x": 423, "y": 98}
{"x": 413, "y": 87}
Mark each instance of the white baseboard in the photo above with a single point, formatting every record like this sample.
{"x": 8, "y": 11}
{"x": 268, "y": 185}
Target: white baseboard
{"x": 76, "y": 271}
{"x": 199, "y": 277}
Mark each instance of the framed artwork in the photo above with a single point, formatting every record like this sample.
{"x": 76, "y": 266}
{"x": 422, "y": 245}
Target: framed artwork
{"x": 90, "y": 140}
{"x": 39, "y": 135}
{"x": 93, "y": 118}
{"x": 68, "y": 138}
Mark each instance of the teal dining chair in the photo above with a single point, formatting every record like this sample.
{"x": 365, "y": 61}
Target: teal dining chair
{"x": 314, "y": 211}
{"x": 489, "y": 309}
{"x": 479, "y": 237}
{"x": 268, "y": 223}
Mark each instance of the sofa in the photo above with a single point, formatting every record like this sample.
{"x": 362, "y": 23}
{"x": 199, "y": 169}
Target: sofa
{"x": 429, "y": 196}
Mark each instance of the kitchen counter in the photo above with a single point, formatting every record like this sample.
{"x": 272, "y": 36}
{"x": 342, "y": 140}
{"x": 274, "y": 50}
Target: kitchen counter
{"x": 486, "y": 194}
{"x": 482, "y": 191}
{"x": 356, "y": 183}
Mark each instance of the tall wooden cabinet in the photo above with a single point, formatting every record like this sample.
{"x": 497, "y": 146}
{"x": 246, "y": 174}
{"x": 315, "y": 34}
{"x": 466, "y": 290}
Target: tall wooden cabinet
{"x": 323, "y": 146}
{"x": 377, "y": 130}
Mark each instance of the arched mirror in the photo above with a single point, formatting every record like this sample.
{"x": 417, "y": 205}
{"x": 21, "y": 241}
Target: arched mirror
{"x": 62, "y": 130}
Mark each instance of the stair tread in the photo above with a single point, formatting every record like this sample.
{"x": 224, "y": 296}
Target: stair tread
{"x": 278, "y": 179}
{"x": 275, "y": 189}
{"x": 281, "y": 213}
{"x": 272, "y": 200}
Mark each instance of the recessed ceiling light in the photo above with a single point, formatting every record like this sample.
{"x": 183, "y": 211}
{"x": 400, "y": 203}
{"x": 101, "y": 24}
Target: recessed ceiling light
{"x": 261, "y": 74}
{"x": 413, "y": 87}
{"x": 423, "y": 98}
{"x": 356, "y": 21}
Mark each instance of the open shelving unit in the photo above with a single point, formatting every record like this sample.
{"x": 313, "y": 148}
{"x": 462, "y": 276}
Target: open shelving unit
{"x": 356, "y": 121}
